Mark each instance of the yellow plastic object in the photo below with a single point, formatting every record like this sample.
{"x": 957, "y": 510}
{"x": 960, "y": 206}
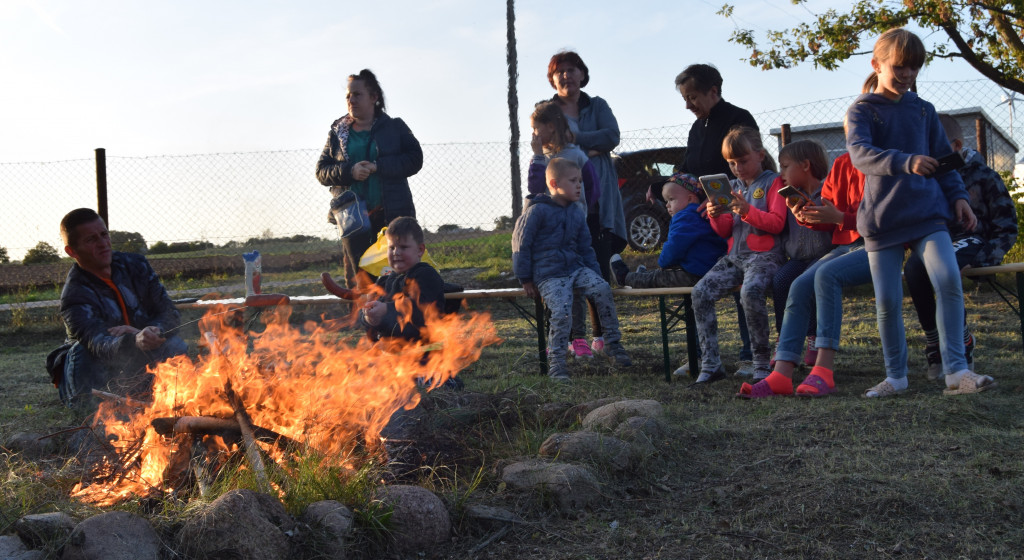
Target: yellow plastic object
{"x": 375, "y": 259}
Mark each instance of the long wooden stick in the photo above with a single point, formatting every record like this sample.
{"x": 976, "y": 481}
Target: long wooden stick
{"x": 252, "y": 451}
{"x": 123, "y": 400}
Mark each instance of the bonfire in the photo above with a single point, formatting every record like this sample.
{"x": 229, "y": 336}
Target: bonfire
{"x": 272, "y": 396}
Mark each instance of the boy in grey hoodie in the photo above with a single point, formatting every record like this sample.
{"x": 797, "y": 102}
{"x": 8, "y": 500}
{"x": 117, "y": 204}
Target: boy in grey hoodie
{"x": 552, "y": 256}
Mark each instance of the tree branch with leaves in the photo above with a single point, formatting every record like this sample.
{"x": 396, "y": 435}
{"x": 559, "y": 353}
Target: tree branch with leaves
{"x": 987, "y": 35}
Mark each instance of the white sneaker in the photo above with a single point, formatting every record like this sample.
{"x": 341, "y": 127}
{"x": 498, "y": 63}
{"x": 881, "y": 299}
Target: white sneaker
{"x": 682, "y": 370}
{"x": 745, "y": 368}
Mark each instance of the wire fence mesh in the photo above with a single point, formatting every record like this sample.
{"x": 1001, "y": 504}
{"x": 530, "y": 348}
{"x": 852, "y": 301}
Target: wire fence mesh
{"x": 225, "y": 197}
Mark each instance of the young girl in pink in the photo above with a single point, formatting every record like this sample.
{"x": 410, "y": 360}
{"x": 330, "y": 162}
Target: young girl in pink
{"x": 753, "y": 221}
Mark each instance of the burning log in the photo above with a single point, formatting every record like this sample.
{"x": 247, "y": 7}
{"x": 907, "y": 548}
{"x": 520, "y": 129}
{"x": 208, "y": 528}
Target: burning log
{"x": 199, "y": 425}
{"x": 252, "y": 451}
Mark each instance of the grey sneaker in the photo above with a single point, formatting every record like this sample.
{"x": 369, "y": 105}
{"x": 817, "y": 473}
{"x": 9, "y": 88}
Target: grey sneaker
{"x": 618, "y": 353}
{"x": 709, "y": 377}
{"x": 745, "y": 368}
{"x": 558, "y": 372}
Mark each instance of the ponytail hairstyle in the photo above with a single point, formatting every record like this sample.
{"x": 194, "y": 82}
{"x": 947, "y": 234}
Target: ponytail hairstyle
{"x": 548, "y": 112}
{"x": 370, "y": 81}
{"x": 741, "y": 140}
{"x": 898, "y": 47}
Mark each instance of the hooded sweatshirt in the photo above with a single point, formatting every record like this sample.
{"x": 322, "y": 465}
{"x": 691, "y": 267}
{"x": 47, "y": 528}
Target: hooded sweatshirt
{"x": 882, "y": 137}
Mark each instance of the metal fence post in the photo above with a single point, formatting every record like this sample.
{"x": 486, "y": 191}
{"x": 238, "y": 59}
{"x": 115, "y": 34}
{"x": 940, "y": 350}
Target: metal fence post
{"x": 101, "y": 185}
{"x": 785, "y": 135}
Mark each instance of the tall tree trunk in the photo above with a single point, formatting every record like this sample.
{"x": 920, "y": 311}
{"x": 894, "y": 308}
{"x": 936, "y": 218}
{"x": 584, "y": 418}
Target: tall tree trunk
{"x": 513, "y": 110}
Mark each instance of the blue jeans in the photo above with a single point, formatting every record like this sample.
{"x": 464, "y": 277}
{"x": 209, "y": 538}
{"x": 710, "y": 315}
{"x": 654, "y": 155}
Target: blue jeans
{"x": 821, "y": 286}
{"x": 936, "y": 251}
{"x": 84, "y": 372}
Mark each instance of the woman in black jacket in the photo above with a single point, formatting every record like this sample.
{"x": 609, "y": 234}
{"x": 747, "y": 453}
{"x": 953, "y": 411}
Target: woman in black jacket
{"x": 373, "y": 155}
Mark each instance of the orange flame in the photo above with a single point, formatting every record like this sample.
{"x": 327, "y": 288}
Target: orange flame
{"x": 309, "y": 386}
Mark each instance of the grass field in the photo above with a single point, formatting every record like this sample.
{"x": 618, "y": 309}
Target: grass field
{"x": 918, "y": 476}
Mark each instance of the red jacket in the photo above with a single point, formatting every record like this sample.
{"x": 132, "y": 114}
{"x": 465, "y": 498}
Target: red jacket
{"x": 843, "y": 187}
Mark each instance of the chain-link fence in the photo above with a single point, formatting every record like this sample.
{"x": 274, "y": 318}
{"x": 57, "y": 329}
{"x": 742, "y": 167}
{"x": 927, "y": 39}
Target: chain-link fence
{"x": 236, "y": 196}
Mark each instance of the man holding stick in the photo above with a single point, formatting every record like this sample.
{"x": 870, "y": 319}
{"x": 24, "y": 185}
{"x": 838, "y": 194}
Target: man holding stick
{"x": 116, "y": 312}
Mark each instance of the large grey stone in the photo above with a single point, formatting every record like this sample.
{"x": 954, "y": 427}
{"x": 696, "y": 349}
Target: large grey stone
{"x": 644, "y": 433}
{"x": 589, "y": 446}
{"x": 609, "y": 416}
{"x": 572, "y": 487}
{"x": 331, "y": 523}
{"x": 39, "y": 528}
{"x": 419, "y": 519}
{"x": 29, "y": 445}
{"x": 11, "y": 548}
{"x": 490, "y": 516}
{"x": 239, "y": 524}
{"x": 580, "y": 411}
{"x": 115, "y": 535}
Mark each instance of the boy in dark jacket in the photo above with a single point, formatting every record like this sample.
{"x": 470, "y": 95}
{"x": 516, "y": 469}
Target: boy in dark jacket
{"x": 410, "y": 287}
{"x": 986, "y": 245}
{"x": 692, "y": 247}
{"x": 552, "y": 256}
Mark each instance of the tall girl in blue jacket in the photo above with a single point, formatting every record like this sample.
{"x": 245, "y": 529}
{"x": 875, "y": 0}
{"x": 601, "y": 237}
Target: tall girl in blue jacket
{"x": 894, "y": 138}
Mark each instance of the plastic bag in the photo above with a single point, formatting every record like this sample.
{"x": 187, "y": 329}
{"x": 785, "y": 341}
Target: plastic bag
{"x": 350, "y": 214}
{"x": 375, "y": 259}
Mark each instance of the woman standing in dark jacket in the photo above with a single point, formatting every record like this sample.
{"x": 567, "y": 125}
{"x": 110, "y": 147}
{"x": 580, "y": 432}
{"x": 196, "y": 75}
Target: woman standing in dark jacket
{"x": 373, "y": 155}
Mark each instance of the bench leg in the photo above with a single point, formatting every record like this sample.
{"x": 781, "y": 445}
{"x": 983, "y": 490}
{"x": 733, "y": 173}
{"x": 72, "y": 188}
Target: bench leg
{"x": 691, "y": 336}
{"x": 664, "y": 338}
{"x": 542, "y": 342}
{"x": 1020, "y": 310}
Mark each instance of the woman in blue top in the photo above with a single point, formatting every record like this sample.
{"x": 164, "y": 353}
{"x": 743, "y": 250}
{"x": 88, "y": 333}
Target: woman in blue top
{"x": 373, "y": 155}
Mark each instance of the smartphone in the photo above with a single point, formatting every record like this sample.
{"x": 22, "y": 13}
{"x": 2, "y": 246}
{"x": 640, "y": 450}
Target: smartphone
{"x": 717, "y": 187}
{"x": 790, "y": 191}
{"x": 949, "y": 162}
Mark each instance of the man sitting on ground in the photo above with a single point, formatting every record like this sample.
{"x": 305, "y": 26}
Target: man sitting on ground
{"x": 116, "y": 312}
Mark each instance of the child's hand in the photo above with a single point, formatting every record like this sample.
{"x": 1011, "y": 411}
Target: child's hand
{"x": 826, "y": 213}
{"x": 965, "y": 215}
{"x": 374, "y": 311}
{"x": 715, "y": 210}
{"x": 739, "y": 204}
{"x": 923, "y": 165}
{"x": 537, "y": 145}
{"x": 795, "y": 204}
{"x": 531, "y": 290}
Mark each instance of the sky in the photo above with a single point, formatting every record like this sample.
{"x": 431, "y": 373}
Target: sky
{"x": 186, "y": 76}
{"x": 167, "y": 78}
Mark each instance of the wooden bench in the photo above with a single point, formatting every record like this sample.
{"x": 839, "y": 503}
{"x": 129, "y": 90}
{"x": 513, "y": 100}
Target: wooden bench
{"x": 674, "y": 317}
{"x": 1009, "y": 295}
{"x": 675, "y": 308}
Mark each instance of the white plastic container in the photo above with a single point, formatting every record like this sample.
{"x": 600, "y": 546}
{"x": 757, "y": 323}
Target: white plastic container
{"x": 253, "y": 272}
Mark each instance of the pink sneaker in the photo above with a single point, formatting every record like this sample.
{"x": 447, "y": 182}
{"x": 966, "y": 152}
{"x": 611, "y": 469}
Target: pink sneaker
{"x": 580, "y": 349}
{"x": 811, "y": 354}
{"x": 597, "y": 345}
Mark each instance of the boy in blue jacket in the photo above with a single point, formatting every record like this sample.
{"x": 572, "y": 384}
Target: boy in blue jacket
{"x": 552, "y": 256}
{"x": 692, "y": 247}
